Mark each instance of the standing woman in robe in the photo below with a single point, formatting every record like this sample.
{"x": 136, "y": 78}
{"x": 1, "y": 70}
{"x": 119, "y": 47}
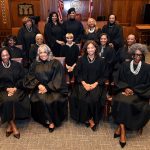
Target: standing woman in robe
{"x": 114, "y": 32}
{"x": 54, "y": 34}
{"x": 87, "y": 99}
{"x": 14, "y": 101}
{"x": 49, "y": 91}
{"x": 131, "y": 109}
{"x": 92, "y": 32}
{"x": 26, "y": 36}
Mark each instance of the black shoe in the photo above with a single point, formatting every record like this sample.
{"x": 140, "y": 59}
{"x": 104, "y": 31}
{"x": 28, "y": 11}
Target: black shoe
{"x": 87, "y": 124}
{"x": 8, "y": 133}
{"x": 122, "y": 144}
{"x": 51, "y": 129}
{"x": 116, "y": 135}
{"x": 17, "y": 135}
{"x": 94, "y": 128}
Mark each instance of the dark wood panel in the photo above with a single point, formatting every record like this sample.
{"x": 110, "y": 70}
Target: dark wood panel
{"x": 15, "y": 18}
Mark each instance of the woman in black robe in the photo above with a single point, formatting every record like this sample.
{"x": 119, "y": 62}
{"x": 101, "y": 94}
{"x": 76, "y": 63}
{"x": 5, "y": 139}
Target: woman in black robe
{"x": 92, "y": 32}
{"x": 54, "y": 34}
{"x": 10, "y": 42}
{"x": 131, "y": 109}
{"x": 114, "y": 32}
{"x": 49, "y": 91}
{"x": 34, "y": 48}
{"x": 107, "y": 53}
{"x": 87, "y": 99}
{"x": 14, "y": 101}
{"x": 26, "y": 37}
{"x": 71, "y": 25}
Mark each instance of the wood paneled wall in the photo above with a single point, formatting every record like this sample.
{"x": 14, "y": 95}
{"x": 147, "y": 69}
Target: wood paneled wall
{"x": 16, "y": 20}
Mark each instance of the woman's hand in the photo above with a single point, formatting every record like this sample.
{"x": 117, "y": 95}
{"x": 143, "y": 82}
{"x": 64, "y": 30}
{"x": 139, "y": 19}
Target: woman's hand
{"x": 86, "y": 86}
{"x": 11, "y": 91}
{"x": 128, "y": 92}
{"x": 93, "y": 86}
{"x": 42, "y": 89}
{"x": 60, "y": 42}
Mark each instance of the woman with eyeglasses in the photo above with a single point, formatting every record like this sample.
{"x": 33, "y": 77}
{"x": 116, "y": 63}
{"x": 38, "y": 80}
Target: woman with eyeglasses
{"x": 131, "y": 109}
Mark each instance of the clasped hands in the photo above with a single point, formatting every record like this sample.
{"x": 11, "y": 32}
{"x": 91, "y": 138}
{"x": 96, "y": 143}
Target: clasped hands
{"x": 89, "y": 87}
{"x": 128, "y": 92}
{"x": 70, "y": 68}
{"x": 11, "y": 91}
{"x": 42, "y": 89}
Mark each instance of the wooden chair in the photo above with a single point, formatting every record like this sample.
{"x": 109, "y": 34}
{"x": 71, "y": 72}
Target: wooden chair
{"x": 61, "y": 60}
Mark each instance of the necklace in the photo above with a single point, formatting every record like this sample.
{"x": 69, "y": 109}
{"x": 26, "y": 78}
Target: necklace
{"x": 136, "y": 71}
{"x": 6, "y": 65}
{"x": 29, "y": 29}
{"x": 91, "y": 30}
{"x": 89, "y": 60}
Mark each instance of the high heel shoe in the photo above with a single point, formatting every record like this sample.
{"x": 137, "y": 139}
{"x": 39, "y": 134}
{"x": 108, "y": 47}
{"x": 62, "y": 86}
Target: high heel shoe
{"x": 8, "y": 133}
{"x": 17, "y": 135}
{"x": 116, "y": 135}
{"x": 51, "y": 129}
{"x": 94, "y": 128}
{"x": 122, "y": 144}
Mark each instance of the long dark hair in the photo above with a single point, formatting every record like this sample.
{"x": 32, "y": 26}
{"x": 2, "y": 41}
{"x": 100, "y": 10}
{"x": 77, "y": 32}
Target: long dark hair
{"x": 86, "y": 45}
{"x": 50, "y": 18}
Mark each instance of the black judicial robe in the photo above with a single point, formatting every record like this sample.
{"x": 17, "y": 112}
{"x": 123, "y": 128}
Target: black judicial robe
{"x": 15, "y": 52}
{"x": 75, "y": 27}
{"x": 13, "y": 77}
{"x": 115, "y": 34}
{"x": 26, "y": 38}
{"x": 52, "y": 33}
{"x": 85, "y": 105}
{"x": 95, "y": 36}
{"x": 109, "y": 57}
{"x": 33, "y": 52}
{"x": 51, "y": 106}
{"x": 133, "y": 111}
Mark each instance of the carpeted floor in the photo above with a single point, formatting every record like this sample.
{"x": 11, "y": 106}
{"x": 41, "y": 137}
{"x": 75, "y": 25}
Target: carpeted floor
{"x": 71, "y": 136}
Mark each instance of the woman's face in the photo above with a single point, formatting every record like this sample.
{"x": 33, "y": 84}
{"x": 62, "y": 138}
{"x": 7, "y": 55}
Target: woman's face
{"x": 138, "y": 56}
{"x": 39, "y": 39}
{"x": 29, "y": 24}
{"x": 11, "y": 42}
{"x": 112, "y": 19}
{"x": 91, "y": 49}
{"x": 131, "y": 40}
{"x": 91, "y": 23}
{"x": 43, "y": 55}
{"x": 103, "y": 40}
{"x": 5, "y": 56}
{"x": 54, "y": 18}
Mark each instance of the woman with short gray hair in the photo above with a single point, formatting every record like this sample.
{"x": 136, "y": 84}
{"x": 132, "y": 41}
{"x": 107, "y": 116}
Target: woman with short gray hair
{"x": 131, "y": 109}
{"x": 49, "y": 90}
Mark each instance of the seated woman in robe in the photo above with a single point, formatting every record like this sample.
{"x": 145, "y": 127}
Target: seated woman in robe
{"x": 131, "y": 109}
{"x": 49, "y": 91}
{"x": 87, "y": 99}
{"x": 92, "y": 32}
{"x": 14, "y": 101}
{"x": 39, "y": 39}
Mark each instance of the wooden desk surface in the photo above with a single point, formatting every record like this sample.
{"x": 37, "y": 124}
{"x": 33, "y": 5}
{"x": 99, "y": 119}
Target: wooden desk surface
{"x": 143, "y": 27}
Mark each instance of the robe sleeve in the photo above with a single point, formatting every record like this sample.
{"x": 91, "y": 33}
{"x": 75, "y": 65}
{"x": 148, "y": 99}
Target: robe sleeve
{"x": 80, "y": 35}
{"x": 78, "y": 71}
{"x": 49, "y": 38}
{"x": 30, "y": 80}
{"x": 57, "y": 83}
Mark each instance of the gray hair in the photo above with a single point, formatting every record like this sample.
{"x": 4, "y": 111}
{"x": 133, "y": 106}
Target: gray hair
{"x": 140, "y": 47}
{"x": 47, "y": 50}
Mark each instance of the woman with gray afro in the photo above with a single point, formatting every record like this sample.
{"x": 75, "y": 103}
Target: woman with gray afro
{"x": 131, "y": 109}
